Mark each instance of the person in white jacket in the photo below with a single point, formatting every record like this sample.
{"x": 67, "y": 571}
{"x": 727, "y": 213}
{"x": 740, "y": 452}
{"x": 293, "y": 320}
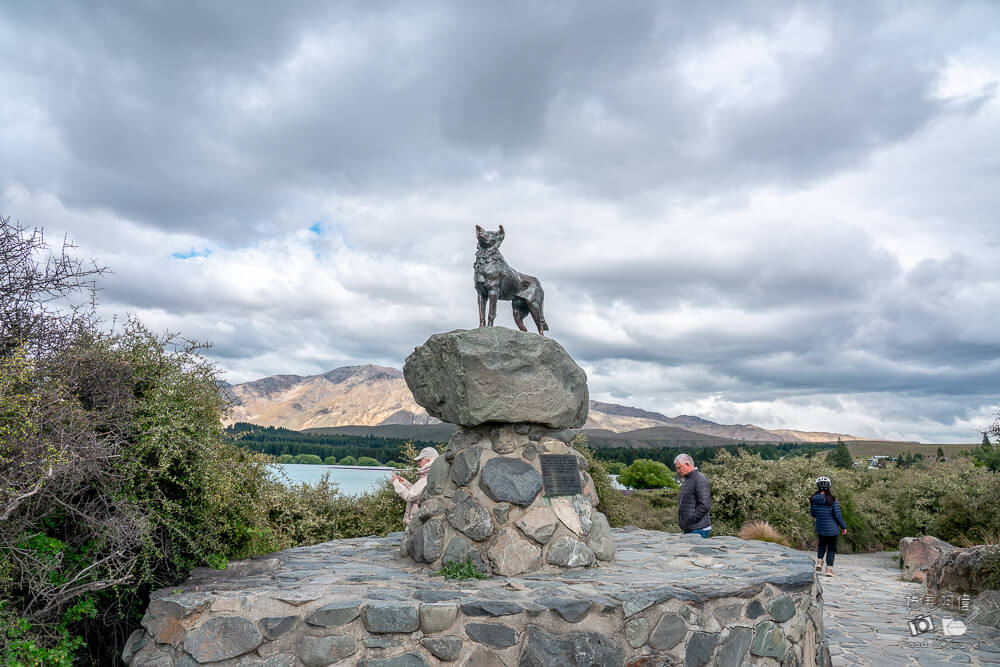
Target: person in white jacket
{"x": 410, "y": 492}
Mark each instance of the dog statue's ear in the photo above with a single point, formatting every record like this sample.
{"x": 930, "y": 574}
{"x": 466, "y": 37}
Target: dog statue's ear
{"x": 479, "y": 230}
{"x": 502, "y": 232}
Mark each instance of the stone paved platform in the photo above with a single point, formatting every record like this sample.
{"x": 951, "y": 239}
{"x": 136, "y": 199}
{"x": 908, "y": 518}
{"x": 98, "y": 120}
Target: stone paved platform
{"x": 666, "y": 599}
{"x": 866, "y": 611}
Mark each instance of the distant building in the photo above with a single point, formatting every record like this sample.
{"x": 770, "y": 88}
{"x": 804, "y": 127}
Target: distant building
{"x": 878, "y": 461}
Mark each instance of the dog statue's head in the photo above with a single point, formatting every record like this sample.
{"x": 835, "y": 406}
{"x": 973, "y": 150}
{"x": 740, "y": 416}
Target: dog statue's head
{"x": 489, "y": 240}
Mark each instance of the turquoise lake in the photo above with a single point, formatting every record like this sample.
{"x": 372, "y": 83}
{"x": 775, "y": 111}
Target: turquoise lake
{"x": 352, "y": 481}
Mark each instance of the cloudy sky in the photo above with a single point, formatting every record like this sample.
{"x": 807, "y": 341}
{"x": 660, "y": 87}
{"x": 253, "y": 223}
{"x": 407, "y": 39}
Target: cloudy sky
{"x": 764, "y": 213}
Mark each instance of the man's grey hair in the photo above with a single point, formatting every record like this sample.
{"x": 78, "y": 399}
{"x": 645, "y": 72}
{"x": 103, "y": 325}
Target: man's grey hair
{"x": 683, "y": 458}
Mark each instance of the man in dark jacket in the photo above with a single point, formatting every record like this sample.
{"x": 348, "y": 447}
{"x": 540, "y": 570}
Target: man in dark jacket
{"x": 692, "y": 509}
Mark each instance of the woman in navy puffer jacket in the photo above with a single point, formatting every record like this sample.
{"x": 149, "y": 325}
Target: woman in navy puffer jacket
{"x": 826, "y": 510}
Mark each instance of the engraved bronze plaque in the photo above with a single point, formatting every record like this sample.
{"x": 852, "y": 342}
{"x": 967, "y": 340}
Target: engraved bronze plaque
{"x": 560, "y": 475}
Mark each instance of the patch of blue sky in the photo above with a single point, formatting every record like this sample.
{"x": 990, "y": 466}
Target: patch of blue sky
{"x": 204, "y": 252}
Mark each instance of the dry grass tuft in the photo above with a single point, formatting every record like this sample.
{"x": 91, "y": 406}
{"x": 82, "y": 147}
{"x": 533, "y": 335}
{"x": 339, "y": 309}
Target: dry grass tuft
{"x": 762, "y": 531}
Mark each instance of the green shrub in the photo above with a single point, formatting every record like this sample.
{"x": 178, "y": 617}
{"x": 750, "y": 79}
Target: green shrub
{"x": 610, "y": 501}
{"x": 330, "y": 460}
{"x": 308, "y": 459}
{"x": 457, "y": 570}
{"x": 367, "y": 461}
{"x": 348, "y": 461}
{"x": 286, "y": 458}
{"x": 647, "y": 474}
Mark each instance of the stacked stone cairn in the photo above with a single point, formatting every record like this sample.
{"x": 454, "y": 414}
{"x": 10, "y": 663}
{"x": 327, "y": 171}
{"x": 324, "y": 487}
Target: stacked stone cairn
{"x": 514, "y": 397}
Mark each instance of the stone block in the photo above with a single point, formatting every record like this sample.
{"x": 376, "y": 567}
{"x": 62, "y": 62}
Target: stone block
{"x": 437, "y": 477}
{"x": 564, "y": 510}
{"x": 382, "y": 616}
{"x": 470, "y": 518}
{"x": 755, "y": 610}
{"x": 584, "y": 648}
{"x": 495, "y": 374}
{"x": 569, "y": 552}
{"x": 437, "y": 616}
{"x": 465, "y": 465}
{"x": 918, "y": 553}
{"x": 501, "y": 512}
{"x": 153, "y": 655}
{"x": 655, "y": 660}
{"x": 445, "y": 648}
{"x": 735, "y": 646}
{"x": 585, "y": 512}
{"x": 539, "y": 524}
{"x": 510, "y": 480}
{"x": 274, "y": 627}
{"x": 781, "y": 608}
{"x": 572, "y": 610}
{"x": 700, "y": 648}
{"x": 164, "y": 614}
{"x": 222, "y": 637}
{"x": 134, "y": 644}
{"x": 512, "y": 555}
{"x": 668, "y": 632}
{"x": 459, "y": 549}
{"x": 322, "y": 651}
{"x": 494, "y": 635}
{"x": 491, "y": 608}
{"x": 426, "y": 544}
{"x": 433, "y": 506}
{"x": 484, "y": 657}
{"x": 636, "y": 631}
{"x": 335, "y": 614}
{"x": 963, "y": 570}
{"x": 599, "y": 538}
{"x": 506, "y": 440}
{"x": 410, "y": 659}
{"x": 768, "y": 641}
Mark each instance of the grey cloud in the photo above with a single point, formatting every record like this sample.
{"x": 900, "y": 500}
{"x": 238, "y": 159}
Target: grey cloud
{"x": 143, "y": 98}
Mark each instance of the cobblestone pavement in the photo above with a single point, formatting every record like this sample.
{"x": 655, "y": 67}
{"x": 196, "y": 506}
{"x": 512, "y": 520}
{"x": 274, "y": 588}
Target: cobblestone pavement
{"x": 866, "y": 610}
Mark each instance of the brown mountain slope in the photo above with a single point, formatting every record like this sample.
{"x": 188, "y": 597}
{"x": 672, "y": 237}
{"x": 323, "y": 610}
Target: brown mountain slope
{"x": 353, "y": 395}
{"x": 377, "y": 395}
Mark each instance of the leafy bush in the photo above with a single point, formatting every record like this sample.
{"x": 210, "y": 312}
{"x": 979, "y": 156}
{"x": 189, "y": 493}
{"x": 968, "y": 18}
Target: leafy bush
{"x": 330, "y": 460}
{"x": 348, "y": 461}
{"x": 955, "y": 500}
{"x": 286, "y": 458}
{"x": 308, "y": 459}
{"x": 367, "y": 461}
{"x": 647, "y": 474}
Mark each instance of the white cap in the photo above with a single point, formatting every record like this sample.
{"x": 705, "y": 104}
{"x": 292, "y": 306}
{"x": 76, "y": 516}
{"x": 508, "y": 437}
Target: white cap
{"x": 427, "y": 453}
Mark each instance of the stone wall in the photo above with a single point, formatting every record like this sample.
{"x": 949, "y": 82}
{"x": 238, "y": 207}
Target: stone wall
{"x": 485, "y": 501}
{"x": 666, "y": 600}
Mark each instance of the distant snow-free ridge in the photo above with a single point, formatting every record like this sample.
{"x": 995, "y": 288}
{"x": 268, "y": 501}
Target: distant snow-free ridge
{"x": 377, "y": 396}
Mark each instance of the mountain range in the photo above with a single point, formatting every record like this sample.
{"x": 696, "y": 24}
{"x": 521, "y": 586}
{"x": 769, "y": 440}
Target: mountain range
{"x": 374, "y": 398}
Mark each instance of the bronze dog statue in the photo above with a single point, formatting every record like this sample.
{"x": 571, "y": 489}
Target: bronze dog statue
{"x": 496, "y": 280}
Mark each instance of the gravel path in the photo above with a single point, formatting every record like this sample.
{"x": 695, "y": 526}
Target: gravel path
{"x": 866, "y": 609}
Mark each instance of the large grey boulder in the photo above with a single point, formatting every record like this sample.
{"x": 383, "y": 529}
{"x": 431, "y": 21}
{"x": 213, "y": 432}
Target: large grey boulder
{"x": 918, "y": 553}
{"x": 495, "y": 374}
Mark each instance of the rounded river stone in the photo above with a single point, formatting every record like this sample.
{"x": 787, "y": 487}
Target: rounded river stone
{"x": 510, "y": 480}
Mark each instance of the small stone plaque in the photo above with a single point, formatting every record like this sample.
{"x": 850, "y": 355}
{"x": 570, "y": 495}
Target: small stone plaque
{"x": 560, "y": 475}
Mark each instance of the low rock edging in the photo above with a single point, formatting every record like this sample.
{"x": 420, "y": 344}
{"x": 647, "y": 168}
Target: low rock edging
{"x": 666, "y": 600}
